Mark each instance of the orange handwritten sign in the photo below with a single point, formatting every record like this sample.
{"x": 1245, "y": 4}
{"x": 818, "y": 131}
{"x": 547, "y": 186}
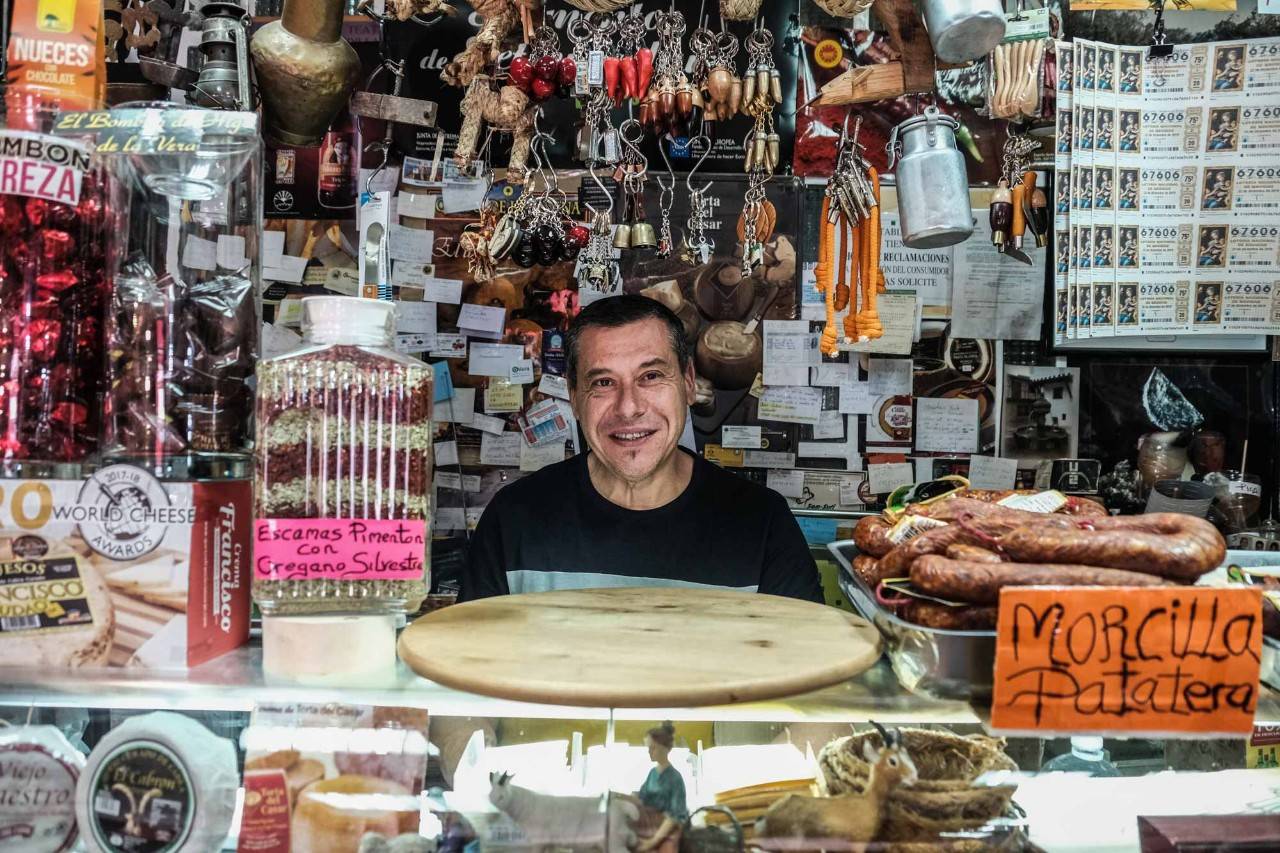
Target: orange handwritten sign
{"x": 1155, "y": 660}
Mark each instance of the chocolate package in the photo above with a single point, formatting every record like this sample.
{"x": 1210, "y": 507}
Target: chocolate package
{"x": 55, "y": 219}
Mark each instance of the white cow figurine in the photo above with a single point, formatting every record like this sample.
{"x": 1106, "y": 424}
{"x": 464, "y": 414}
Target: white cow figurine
{"x": 544, "y": 818}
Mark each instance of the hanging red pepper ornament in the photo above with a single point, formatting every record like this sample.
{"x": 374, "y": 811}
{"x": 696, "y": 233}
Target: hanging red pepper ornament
{"x": 613, "y": 78}
{"x": 630, "y": 80}
{"x": 644, "y": 69}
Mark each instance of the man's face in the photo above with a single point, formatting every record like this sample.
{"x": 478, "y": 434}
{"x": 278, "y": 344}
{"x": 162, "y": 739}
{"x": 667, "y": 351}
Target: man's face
{"x": 631, "y": 397}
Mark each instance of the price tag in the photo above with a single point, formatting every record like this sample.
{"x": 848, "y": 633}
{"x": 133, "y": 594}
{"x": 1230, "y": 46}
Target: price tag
{"x": 368, "y": 549}
{"x": 1135, "y": 660}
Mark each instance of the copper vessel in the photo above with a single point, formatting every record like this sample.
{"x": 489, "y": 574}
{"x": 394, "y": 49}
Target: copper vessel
{"x": 305, "y": 70}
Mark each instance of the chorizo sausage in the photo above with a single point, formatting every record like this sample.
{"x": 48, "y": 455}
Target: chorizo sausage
{"x": 933, "y": 615}
{"x": 973, "y": 553}
{"x": 864, "y": 566}
{"x": 1168, "y": 544}
{"x": 1084, "y": 507}
{"x": 980, "y": 583}
{"x": 983, "y": 531}
{"x": 871, "y": 535}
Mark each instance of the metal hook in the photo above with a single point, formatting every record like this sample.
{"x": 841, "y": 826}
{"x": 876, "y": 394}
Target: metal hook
{"x": 662, "y": 149}
{"x": 688, "y": 179}
{"x": 386, "y": 149}
{"x": 591, "y": 169}
{"x": 631, "y": 124}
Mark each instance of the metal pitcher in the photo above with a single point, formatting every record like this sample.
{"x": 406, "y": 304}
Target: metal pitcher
{"x": 933, "y": 188}
{"x": 963, "y": 30}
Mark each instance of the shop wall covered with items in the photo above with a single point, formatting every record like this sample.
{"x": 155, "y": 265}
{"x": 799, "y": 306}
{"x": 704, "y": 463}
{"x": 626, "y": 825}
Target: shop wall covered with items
{"x": 1013, "y": 269}
{"x": 991, "y": 295}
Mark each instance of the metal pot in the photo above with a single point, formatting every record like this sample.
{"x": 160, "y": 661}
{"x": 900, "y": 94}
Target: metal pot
{"x": 305, "y": 70}
{"x": 963, "y": 30}
{"x": 933, "y": 187}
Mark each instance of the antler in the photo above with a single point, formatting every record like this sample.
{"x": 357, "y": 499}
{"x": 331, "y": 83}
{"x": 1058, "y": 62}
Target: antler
{"x": 889, "y": 738}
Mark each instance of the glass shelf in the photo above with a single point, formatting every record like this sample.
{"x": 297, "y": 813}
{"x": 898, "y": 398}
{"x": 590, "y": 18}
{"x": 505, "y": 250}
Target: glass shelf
{"x": 234, "y": 682}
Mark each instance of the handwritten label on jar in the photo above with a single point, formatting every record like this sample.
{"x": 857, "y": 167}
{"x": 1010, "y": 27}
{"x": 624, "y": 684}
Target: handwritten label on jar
{"x": 1242, "y": 487}
{"x": 339, "y": 548}
{"x": 1149, "y": 660}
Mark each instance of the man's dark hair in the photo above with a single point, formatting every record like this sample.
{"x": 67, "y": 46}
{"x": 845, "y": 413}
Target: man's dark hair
{"x": 614, "y": 311}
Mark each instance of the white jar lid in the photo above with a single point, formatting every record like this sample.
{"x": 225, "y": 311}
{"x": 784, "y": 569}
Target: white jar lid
{"x": 349, "y": 650}
{"x": 347, "y": 319}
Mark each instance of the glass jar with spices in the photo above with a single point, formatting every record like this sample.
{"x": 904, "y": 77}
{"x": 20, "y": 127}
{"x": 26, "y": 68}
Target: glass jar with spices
{"x": 343, "y": 483}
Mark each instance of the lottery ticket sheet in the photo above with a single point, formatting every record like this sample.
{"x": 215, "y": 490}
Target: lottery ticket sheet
{"x": 1167, "y": 190}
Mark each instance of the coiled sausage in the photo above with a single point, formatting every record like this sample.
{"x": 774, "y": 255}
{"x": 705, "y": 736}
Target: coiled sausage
{"x": 980, "y": 583}
{"x": 1167, "y": 544}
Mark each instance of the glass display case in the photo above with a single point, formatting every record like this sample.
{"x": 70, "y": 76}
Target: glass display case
{"x": 505, "y": 774}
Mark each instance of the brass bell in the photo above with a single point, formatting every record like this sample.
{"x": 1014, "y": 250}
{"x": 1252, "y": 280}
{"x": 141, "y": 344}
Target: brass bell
{"x": 622, "y": 237}
{"x": 643, "y": 236}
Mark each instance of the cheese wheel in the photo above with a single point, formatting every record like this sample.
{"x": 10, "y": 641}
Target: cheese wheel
{"x": 157, "y": 783}
{"x": 39, "y": 769}
{"x": 331, "y": 816}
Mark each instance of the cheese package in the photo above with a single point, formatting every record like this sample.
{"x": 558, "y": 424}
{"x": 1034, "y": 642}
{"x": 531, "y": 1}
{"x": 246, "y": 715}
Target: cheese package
{"x": 123, "y": 569}
{"x": 39, "y": 769}
{"x": 349, "y": 770}
{"x": 158, "y": 782}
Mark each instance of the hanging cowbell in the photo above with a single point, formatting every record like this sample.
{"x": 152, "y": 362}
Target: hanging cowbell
{"x": 305, "y": 70}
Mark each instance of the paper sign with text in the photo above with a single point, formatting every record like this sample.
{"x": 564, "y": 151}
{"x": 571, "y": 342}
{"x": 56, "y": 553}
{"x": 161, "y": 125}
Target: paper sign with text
{"x": 1132, "y": 659}
{"x": 339, "y": 548}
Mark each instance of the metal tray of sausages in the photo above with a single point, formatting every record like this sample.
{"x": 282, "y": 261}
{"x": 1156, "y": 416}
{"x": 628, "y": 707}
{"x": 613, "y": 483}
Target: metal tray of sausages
{"x": 927, "y": 661}
{"x": 1253, "y": 559}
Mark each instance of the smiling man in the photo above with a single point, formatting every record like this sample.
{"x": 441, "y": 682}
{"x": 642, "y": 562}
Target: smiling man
{"x": 637, "y": 509}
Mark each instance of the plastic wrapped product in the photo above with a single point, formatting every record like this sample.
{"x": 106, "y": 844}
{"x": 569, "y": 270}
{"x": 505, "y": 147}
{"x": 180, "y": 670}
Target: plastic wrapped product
{"x": 157, "y": 783}
{"x": 39, "y": 769}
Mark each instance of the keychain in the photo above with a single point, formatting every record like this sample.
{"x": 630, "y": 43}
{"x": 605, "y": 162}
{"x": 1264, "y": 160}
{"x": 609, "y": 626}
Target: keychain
{"x": 670, "y": 100}
{"x": 720, "y": 88}
{"x": 851, "y": 220}
{"x": 1017, "y": 204}
{"x": 634, "y": 232}
{"x": 762, "y": 92}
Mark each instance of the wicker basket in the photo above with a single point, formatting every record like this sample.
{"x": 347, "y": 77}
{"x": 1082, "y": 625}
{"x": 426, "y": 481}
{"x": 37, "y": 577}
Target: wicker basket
{"x": 712, "y": 838}
{"x": 739, "y": 10}
{"x": 599, "y": 5}
{"x": 943, "y": 799}
{"x": 843, "y": 8}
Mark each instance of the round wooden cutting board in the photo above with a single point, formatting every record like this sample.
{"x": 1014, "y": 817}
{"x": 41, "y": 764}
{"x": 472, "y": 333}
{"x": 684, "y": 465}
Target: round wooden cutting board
{"x": 639, "y": 647}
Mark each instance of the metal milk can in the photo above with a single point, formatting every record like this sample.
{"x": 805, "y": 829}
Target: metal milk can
{"x": 963, "y": 30}
{"x": 933, "y": 188}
